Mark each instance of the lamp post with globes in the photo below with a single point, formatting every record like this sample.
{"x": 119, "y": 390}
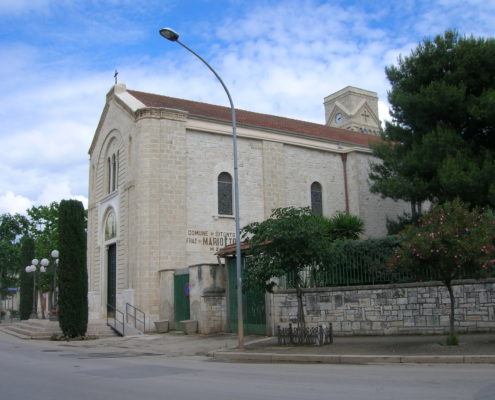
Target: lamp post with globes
{"x": 32, "y": 268}
{"x": 173, "y": 36}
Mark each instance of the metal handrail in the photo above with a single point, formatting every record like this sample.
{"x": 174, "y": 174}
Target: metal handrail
{"x": 117, "y": 325}
{"x": 133, "y": 313}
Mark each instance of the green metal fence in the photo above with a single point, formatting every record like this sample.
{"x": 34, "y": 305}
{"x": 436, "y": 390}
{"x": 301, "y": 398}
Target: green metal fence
{"x": 348, "y": 270}
{"x": 360, "y": 263}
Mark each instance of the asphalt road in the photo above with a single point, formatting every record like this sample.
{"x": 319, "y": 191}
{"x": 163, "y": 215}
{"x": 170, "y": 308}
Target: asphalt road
{"x": 43, "y": 371}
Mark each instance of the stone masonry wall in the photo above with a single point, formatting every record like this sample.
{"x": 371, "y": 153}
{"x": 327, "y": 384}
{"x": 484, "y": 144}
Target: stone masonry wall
{"x": 207, "y": 297}
{"x": 420, "y": 308}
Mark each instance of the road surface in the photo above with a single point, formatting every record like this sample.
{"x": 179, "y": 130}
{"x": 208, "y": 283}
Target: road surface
{"x": 47, "y": 371}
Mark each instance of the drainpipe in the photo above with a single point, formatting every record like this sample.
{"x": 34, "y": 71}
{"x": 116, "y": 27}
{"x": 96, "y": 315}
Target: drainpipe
{"x": 343, "y": 157}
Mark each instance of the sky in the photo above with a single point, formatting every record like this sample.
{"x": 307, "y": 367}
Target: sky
{"x": 58, "y": 57}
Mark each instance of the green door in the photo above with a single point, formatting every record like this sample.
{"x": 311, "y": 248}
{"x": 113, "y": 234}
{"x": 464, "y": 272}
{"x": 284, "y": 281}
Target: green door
{"x": 111, "y": 278}
{"x": 181, "y": 299}
{"x": 253, "y": 307}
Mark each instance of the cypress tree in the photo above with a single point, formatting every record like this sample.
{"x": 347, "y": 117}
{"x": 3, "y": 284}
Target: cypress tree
{"x": 26, "y": 300}
{"x": 72, "y": 273}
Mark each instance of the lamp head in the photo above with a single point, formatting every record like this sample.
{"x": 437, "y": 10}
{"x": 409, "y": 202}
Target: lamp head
{"x": 34, "y": 261}
{"x": 54, "y": 254}
{"x": 44, "y": 262}
{"x": 169, "y": 34}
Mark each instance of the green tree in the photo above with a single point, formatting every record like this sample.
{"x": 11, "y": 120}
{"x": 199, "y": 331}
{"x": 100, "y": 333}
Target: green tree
{"x": 441, "y": 142}
{"x": 450, "y": 242}
{"x": 72, "y": 273}
{"x": 289, "y": 241}
{"x": 26, "y": 284}
{"x": 12, "y": 227}
{"x": 43, "y": 228}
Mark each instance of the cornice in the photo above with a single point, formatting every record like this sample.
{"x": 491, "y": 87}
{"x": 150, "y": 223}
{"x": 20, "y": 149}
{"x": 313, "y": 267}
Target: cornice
{"x": 161, "y": 113}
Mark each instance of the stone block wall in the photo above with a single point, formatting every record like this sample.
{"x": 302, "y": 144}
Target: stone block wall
{"x": 419, "y": 308}
{"x": 207, "y": 297}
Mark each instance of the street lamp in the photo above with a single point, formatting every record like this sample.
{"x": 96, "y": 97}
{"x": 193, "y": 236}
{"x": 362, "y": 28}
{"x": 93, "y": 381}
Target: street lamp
{"x": 53, "y": 314}
{"x": 173, "y": 36}
{"x": 44, "y": 263}
{"x": 29, "y": 269}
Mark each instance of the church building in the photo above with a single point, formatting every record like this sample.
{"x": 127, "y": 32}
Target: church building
{"x": 161, "y": 192}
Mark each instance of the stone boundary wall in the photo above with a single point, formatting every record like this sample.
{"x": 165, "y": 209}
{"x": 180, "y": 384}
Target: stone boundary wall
{"x": 208, "y": 304}
{"x": 417, "y": 308}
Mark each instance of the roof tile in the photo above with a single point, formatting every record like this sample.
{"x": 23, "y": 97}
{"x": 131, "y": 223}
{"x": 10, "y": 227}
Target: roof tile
{"x": 256, "y": 119}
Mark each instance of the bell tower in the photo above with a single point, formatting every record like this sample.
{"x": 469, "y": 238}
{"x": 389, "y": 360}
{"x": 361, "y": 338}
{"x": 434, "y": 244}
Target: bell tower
{"x": 354, "y": 109}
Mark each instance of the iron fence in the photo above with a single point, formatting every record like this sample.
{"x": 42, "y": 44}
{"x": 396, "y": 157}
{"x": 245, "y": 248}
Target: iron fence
{"x": 318, "y": 335}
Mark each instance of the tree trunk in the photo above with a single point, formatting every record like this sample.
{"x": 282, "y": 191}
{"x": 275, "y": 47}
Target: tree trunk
{"x": 414, "y": 213}
{"x": 300, "y": 310}
{"x": 452, "y": 307}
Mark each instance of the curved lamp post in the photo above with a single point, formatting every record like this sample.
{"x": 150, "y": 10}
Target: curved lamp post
{"x": 173, "y": 36}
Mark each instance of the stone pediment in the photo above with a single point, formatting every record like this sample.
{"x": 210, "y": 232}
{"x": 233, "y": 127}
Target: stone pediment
{"x": 366, "y": 115}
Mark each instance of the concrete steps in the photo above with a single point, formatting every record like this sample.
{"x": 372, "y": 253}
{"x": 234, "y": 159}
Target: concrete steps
{"x": 43, "y": 329}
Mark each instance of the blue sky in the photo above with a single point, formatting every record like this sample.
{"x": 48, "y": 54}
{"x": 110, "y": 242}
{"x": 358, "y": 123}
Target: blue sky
{"x": 277, "y": 57}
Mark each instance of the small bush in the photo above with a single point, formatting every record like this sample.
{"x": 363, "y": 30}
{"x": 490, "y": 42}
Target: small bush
{"x": 452, "y": 340}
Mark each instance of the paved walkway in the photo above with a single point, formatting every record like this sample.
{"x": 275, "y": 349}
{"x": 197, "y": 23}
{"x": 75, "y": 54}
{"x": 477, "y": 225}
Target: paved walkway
{"x": 473, "y": 348}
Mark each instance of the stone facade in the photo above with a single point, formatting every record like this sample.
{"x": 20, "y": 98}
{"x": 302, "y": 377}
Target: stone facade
{"x": 154, "y": 167}
{"x": 420, "y": 308}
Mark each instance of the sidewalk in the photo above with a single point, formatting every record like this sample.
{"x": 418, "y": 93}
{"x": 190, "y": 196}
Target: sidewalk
{"x": 473, "y": 348}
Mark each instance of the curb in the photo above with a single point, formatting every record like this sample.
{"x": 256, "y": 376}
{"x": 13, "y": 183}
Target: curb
{"x": 349, "y": 359}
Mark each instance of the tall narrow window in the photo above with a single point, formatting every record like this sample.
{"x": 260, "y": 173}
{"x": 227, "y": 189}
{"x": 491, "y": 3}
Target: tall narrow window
{"x": 316, "y": 199}
{"x": 114, "y": 170}
{"x": 109, "y": 176}
{"x": 224, "y": 194}
{"x": 117, "y": 166}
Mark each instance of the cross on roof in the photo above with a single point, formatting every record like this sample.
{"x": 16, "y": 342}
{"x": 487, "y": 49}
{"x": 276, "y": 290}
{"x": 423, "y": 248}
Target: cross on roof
{"x": 365, "y": 115}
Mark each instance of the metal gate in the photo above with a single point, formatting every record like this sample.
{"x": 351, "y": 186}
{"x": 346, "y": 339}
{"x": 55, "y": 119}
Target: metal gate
{"x": 181, "y": 299}
{"x": 253, "y": 307}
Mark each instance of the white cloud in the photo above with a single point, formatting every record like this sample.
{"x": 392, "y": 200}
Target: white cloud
{"x": 12, "y": 203}
{"x": 22, "y": 6}
{"x": 275, "y": 57}
{"x": 58, "y": 191}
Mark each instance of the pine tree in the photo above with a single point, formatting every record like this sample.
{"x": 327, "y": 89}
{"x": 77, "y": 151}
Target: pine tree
{"x": 72, "y": 273}
{"x": 440, "y": 144}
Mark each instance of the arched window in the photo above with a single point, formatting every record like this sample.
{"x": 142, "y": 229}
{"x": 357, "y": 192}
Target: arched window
{"x": 224, "y": 194}
{"x": 316, "y": 199}
{"x": 112, "y": 172}
{"x": 110, "y": 226}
